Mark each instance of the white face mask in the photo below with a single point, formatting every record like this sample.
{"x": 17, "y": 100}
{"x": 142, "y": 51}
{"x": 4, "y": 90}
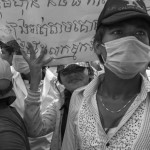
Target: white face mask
{"x": 20, "y": 64}
{"x": 126, "y": 57}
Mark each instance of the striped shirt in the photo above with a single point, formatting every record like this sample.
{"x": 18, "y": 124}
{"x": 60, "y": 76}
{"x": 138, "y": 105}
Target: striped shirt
{"x": 84, "y": 130}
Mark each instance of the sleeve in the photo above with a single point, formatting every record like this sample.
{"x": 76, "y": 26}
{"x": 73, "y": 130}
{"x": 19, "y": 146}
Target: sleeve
{"x": 12, "y": 141}
{"x": 49, "y": 85}
{"x": 20, "y": 91}
{"x": 37, "y": 123}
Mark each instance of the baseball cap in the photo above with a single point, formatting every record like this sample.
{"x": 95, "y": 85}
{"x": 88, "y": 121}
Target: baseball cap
{"x": 5, "y": 71}
{"x": 72, "y": 66}
{"x": 2, "y": 44}
{"x": 119, "y": 10}
{"x": 5, "y": 86}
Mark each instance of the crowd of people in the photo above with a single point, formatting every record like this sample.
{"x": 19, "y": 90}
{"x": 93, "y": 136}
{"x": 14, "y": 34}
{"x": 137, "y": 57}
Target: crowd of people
{"x": 102, "y": 105}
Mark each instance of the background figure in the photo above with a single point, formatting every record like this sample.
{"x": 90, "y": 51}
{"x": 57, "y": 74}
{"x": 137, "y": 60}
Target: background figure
{"x": 113, "y": 111}
{"x": 54, "y": 119}
{"x": 13, "y": 133}
{"x": 7, "y": 52}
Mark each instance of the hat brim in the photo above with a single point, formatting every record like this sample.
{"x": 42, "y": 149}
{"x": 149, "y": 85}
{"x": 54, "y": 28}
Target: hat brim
{"x": 121, "y": 16}
{"x": 80, "y": 64}
{"x": 2, "y": 44}
{"x": 11, "y": 93}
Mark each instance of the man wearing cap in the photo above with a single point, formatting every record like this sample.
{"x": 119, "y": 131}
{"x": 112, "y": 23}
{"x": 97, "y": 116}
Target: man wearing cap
{"x": 113, "y": 111}
{"x": 13, "y": 133}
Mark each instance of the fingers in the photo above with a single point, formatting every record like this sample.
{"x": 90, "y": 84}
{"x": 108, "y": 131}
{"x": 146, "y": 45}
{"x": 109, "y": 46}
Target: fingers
{"x": 42, "y": 53}
{"x": 38, "y": 60}
{"x": 25, "y": 56}
{"x": 32, "y": 52}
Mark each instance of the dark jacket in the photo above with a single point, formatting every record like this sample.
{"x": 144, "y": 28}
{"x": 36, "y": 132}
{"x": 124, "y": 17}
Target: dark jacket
{"x": 13, "y": 134}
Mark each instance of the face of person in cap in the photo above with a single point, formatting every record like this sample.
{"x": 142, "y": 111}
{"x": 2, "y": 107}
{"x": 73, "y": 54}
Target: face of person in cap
{"x": 122, "y": 37}
{"x": 73, "y": 76}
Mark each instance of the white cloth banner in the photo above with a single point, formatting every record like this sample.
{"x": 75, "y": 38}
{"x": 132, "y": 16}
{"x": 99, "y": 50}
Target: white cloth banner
{"x": 65, "y": 27}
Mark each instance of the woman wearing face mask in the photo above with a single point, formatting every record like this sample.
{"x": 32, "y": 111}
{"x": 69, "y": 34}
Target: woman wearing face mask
{"x": 113, "y": 111}
{"x": 54, "y": 119}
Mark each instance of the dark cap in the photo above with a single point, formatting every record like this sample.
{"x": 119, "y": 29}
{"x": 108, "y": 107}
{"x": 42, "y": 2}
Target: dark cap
{"x": 120, "y": 10}
{"x": 78, "y": 64}
{"x": 13, "y": 43}
{"x": 5, "y": 46}
{"x": 2, "y": 44}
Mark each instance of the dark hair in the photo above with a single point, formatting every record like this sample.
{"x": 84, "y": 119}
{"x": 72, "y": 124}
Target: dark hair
{"x": 65, "y": 107}
{"x": 58, "y": 77}
{"x": 99, "y": 34}
{"x": 67, "y": 95}
{"x": 43, "y": 72}
{"x": 9, "y": 49}
{"x": 26, "y": 76}
{"x": 15, "y": 45}
{"x": 98, "y": 38}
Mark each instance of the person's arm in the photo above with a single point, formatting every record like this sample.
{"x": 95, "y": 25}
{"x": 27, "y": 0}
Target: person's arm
{"x": 35, "y": 64}
{"x": 11, "y": 140}
{"x": 13, "y": 135}
{"x": 37, "y": 124}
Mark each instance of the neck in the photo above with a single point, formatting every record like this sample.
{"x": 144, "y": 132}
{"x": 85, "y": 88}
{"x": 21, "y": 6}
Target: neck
{"x": 115, "y": 87}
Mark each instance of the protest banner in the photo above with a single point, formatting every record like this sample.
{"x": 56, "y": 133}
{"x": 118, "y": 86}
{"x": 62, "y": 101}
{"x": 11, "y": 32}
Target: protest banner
{"x": 65, "y": 27}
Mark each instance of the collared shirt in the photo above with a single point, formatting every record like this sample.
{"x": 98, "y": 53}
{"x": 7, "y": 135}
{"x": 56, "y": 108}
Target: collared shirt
{"x": 84, "y": 130}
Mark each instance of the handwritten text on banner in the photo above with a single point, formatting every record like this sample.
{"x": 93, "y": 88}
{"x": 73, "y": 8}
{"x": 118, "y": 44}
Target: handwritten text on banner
{"x": 65, "y": 27}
